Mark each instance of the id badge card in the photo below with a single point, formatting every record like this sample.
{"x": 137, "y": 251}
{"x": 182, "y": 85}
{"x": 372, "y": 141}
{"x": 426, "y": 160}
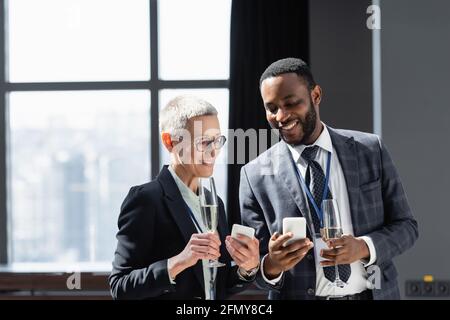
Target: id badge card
{"x": 319, "y": 245}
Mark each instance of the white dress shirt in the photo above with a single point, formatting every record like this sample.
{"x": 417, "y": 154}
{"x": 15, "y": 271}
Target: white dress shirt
{"x": 338, "y": 188}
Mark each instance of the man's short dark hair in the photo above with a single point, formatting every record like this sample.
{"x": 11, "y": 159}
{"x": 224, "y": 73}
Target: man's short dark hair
{"x": 289, "y": 65}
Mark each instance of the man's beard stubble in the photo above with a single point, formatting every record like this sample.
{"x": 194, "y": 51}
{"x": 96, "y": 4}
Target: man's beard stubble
{"x": 308, "y": 125}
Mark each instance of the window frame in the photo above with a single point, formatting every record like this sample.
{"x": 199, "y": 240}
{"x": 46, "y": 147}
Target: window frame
{"x": 154, "y": 85}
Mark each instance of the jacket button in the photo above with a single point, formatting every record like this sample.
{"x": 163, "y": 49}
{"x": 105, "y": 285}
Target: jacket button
{"x": 310, "y": 291}
{"x": 309, "y": 257}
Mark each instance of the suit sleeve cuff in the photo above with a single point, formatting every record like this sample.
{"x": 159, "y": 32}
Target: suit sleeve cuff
{"x": 273, "y": 282}
{"x": 372, "y": 252}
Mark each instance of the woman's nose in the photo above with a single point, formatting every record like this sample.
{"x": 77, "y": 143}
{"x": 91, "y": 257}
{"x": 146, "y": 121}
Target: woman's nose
{"x": 212, "y": 153}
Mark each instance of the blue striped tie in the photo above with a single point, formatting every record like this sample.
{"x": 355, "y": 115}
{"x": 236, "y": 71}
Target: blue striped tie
{"x": 318, "y": 177}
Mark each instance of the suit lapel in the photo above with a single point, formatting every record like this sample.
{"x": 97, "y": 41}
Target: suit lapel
{"x": 289, "y": 180}
{"x": 347, "y": 154}
{"x": 179, "y": 212}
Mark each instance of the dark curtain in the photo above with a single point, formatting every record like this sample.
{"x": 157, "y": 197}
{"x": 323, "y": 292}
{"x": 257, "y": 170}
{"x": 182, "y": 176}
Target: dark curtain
{"x": 262, "y": 31}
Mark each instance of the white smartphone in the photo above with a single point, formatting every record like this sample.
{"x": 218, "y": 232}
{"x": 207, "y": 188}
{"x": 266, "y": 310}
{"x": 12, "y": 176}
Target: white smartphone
{"x": 240, "y": 229}
{"x": 296, "y": 225}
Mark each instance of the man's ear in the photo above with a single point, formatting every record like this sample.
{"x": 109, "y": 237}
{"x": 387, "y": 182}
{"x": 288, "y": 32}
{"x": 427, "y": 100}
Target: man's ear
{"x": 167, "y": 141}
{"x": 316, "y": 95}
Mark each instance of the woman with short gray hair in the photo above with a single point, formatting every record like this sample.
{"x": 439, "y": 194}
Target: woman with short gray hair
{"x": 162, "y": 251}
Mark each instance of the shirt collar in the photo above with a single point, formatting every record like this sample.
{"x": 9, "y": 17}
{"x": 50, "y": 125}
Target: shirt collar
{"x": 323, "y": 141}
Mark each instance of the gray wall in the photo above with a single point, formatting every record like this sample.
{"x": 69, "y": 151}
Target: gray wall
{"x": 415, "y": 42}
{"x": 415, "y": 82}
{"x": 341, "y": 61}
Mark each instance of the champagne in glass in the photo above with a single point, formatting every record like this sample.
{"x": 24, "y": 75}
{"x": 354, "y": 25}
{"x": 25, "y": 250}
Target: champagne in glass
{"x": 209, "y": 217}
{"x": 209, "y": 209}
{"x": 332, "y": 229}
{"x": 332, "y": 233}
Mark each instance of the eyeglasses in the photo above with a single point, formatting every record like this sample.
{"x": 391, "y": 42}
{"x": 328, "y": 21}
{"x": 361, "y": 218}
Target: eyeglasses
{"x": 205, "y": 143}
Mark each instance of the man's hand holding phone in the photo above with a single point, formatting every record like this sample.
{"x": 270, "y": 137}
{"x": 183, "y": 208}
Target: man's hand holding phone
{"x": 288, "y": 249}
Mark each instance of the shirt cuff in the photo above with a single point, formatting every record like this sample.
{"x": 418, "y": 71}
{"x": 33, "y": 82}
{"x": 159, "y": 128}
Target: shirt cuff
{"x": 273, "y": 281}
{"x": 172, "y": 281}
{"x": 372, "y": 252}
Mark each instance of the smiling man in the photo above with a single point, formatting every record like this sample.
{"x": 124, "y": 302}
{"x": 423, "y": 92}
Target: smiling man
{"x": 319, "y": 163}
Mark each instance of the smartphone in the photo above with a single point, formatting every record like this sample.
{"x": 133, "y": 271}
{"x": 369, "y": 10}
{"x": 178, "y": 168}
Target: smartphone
{"x": 243, "y": 230}
{"x": 296, "y": 225}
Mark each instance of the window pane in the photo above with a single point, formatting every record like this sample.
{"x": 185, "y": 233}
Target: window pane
{"x": 194, "y": 39}
{"x": 78, "y": 40}
{"x": 219, "y": 99}
{"x": 73, "y": 157}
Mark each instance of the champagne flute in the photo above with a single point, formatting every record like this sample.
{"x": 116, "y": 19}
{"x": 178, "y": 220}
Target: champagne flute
{"x": 332, "y": 229}
{"x": 209, "y": 209}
